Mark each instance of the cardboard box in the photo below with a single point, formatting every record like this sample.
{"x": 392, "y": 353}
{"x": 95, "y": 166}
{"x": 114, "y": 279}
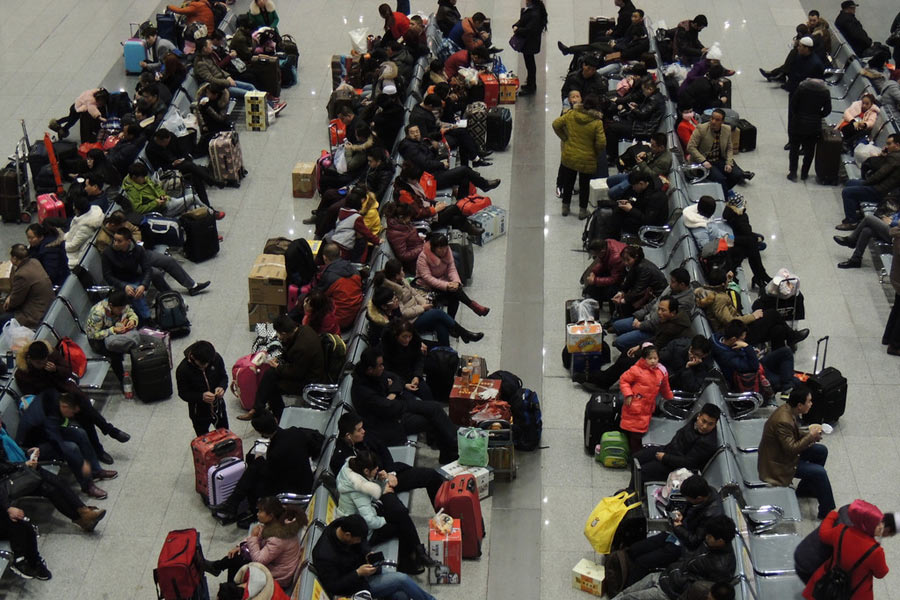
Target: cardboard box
{"x": 584, "y": 337}
{"x": 484, "y": 476}
{"x": 268, "y": 280}
{"x": 599, "y": 191}
{"x": 493, "y": 220}
{"x": 447, "y": 550}
{"x": 263, "y": 313}
{"x": 303, "y": 180}
{"x": 588, "y": 577}
{"x": 509, "y": 86}
{"x": 5, "y": 276}
{"x": 256, "y": 111}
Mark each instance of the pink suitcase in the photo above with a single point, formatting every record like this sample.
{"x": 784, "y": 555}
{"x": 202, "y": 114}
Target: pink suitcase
{"x": 245, "y": 378}
{"x": 223, "y": 477}
{"x": 48, "y": 205}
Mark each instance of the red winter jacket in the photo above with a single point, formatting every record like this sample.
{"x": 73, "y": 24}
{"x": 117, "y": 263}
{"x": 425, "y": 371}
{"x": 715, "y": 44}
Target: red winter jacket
{"x": 644, "y": 384}
{"x": 198, "y": 10}
{"x": 610, "y": 271}
{"x": 347, "y": 297}
{"x": 406, "y": 244}
{"x": 856, "y": 543}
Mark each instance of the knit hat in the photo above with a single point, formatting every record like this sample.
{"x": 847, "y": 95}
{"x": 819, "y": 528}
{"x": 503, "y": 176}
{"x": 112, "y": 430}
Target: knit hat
{"x": 806, "y": 41}
{"x": 714, "y": 52}
{"x": 865, "y": 516}
{"x": 389, "y": 88}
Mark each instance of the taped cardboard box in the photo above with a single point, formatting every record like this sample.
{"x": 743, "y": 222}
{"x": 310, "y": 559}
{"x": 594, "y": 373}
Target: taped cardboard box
{"x": 263, "y": 313}
{"x": 268, "y": 280}
{"x": 303, "y": 180}
{"x": 588, "y": 577}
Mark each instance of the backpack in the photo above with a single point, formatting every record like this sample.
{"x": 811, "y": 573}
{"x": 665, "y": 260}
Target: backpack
{"x": 299, "y": 262}
{"x": 278, "y": 245}
{"x": 835, "y": 582}
{"x": 527, "y": 423}
{"x": 754, "y": 382}
{"x": 219, "y": 11}
{"x": 73, "y": 356}
{"x": 441, "y": 365}
{"x": 170, "y": 313}
{"x": 510, "y": 384}
{"x": 335, "y": 352}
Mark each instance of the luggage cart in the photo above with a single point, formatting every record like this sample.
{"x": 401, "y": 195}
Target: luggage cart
{"x": 501, "y": 450}
{"x": 24, "y": 202}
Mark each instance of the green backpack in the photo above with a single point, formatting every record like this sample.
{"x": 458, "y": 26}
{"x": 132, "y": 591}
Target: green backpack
{"x": 614, "y": 452}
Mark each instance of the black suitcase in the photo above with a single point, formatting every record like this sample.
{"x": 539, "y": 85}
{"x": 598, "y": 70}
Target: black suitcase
{"x": 748, "y": 135}
{"x": 268, "y": 76}
{"x": 10, "y": 203}
{"x": 601, "y": 414}
{"x": 597, "y": 28}
{"x": 150, "y": 371}
{"x": 726, "y": 91}
{"x": 828, "y": 388}
{"x": 463, "y": 254}
{"x": 201, "y": 237}
{"x": 499, "y": 128}
{"x": 828, "y": 156}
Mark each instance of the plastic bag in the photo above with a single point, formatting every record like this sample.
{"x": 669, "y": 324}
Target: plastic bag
{"x": 473, "y": 446}
{"x": 174, "y": 122}
{"x": 340, "y": 159}
{"x": 469, "y": 75}
{"x": 864, "y": 151}
{"x": 601, "y": 525}
{"x": 676, "y": 72}
{"x": 359, "y": 39}
{"x": 15, "y": 336}
{"x": 784, "y": 285}
{"x": 587, "y": 310}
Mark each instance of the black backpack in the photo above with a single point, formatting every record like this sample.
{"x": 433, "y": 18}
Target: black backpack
{"x": 170, "y": 313}
{"x": 299, "y": 262}
{"x": 441, "y": 365}
{"x": 334, "y": 349}
{"x": 835, "y": 582}
{"x": 510, "y": 384}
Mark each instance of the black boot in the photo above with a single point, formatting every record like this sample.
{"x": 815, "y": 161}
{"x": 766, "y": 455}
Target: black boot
{"x": 465, "y": 335}
{"x": 423, "y": 559}
{"x": 211, "y": 567}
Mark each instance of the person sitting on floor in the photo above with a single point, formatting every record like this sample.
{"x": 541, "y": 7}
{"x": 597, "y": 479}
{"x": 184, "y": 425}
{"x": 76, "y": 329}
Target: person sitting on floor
{"x": 14, "y": 459}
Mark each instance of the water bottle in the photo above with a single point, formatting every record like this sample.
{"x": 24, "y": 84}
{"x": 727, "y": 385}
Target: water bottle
{"x": 127, "y": 385}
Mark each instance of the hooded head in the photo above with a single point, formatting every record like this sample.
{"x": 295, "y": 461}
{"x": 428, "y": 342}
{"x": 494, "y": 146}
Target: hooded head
{"x": 865, "y": 516}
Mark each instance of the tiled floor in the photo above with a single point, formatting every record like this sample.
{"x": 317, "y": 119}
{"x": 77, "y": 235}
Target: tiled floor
{"x": 52, "y": 50}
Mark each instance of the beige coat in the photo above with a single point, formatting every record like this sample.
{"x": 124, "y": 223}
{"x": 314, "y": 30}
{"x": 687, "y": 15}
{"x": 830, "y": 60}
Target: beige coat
{"x": 32, "y": 293}
{"x": 780, "y": 447}
{"x": 702, "y": 142}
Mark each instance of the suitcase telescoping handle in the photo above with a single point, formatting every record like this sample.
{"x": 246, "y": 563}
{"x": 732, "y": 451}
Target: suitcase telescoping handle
{"x": 824, "y": 353}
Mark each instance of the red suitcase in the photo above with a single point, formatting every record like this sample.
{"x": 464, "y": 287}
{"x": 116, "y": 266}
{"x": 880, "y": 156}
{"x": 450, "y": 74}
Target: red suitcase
{"x": 179, "y": 574}
{"x": 491, "y": 89}
{"x": 209, "y": 450}
{"x": 48, "y": 205}
{"x": 459, "y": 499}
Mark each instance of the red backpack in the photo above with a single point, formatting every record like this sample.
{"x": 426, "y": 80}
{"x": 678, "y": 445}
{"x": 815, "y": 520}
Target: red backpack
{"x": 178, "y": 573}
{"x": 73, "y": 355}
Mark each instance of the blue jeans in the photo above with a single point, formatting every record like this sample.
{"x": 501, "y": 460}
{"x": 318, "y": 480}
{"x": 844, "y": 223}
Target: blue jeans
{"x": 396, "y": 586}
{"x": 856, "y": 192}
{"x": 437, "y": 321}
{"x": 76, "y": 448}
{"x": 814, "y": 479}
{"x": 618, "y": 185}
{"x": 240, "y": 88}
{"x": 626, "y": 335}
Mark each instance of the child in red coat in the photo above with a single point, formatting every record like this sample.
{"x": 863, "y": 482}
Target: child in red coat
{"x": 640, "y": 385}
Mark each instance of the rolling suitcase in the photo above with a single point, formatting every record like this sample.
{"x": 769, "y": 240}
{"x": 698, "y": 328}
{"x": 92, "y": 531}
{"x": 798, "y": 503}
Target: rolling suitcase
{"x": 48, "y": 205}
{"x": 828, "y": 156}
{"x": 748, "y": 135}
{"x": 828, "y": 388}
{"x": 459, "y": 499}
{"x": 499, "y": 128}
{"x": 179, "y": 570}
{"x": 201, "y": 236}
{"x": 601, "y": 414}
{"x": 268, "y": 76}
{"x": 10, "y": 202}
{"x": 135, "y": 53}
{"x": 223, "y": 477}
{"x": 225, "y": 156}
{"x": 476, "y": 123}
{"x": 463, "y": 254}
{"x": 167, "y": 28}
{"x": 150, "y": 371}
{"x": 597, "y": 28}
{"x": 245, "y": 378}
{"x": 208, "y": 451}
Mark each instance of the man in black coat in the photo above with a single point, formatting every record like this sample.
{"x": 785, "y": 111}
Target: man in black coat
{"x": 202, "y": 381}
{"x": 16, "y": 528}
{"x": 852, "y": 30}
{"x": 586, "y": 80}
{"x": 809, "y": 104}
{"x": 423, "y": 154}
{"x": 691, "y": 447}
{"x": 806, "y": 65}
{"x": 162, "y": 152}
{"x": 704, "y": 92}
{"x": 649, "y": 206}
{"x": 284, "y": 468}
{"x": 422, "y": 115}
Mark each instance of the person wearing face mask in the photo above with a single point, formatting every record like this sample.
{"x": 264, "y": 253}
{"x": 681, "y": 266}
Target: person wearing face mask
{"x": 353, "y": 439}
{"x": 640, "y": 385}
{"x": 856, "y": 549}
{"x": 686, "y": 126}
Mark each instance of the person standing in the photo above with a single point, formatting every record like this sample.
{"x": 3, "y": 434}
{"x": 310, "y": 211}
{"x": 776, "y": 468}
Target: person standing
{"x": 891, "y": 335}
{"x": 584, "y": 142}
{"x": 808, "y": 106}
{"x": 528, "y": 31}
{"x": 202, "y": 380}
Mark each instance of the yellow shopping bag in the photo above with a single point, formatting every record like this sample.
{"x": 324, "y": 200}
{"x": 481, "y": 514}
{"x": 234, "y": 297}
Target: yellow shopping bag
{"x": 601, "y": 525}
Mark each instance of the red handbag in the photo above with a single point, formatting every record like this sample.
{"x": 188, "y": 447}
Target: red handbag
{"x": 337, "y": 132}
{"x": 472, "y": 204}
{"x": 429, "y": 185}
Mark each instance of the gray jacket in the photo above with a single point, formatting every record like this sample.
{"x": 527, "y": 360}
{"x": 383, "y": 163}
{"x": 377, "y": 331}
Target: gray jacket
{"x": 648, "y": 316}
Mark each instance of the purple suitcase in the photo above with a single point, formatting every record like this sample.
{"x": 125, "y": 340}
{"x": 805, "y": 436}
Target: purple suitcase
{"x": 223, "y": 477}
